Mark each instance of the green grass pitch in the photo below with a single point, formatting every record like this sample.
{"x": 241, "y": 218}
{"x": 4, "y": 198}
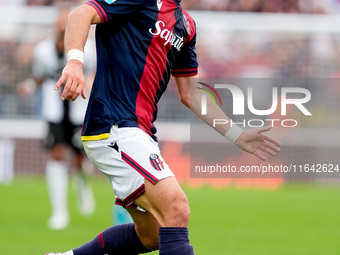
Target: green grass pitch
{"x": 295, "y": 219}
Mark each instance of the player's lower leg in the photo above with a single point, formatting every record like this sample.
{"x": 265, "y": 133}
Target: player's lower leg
{"x": 120, "y": 239}
{"x": 174, "y": 240}
{"x": 86, "y": 201}
{"x": 57, "y": 182}
{"x": 168, "y": 204}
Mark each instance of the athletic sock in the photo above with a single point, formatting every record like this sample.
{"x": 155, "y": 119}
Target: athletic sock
{"x": 57, "y": 182}
{"x": 118, "y": 240}
{"x": 86, "y": 201}
{"x": 174, "y": 241}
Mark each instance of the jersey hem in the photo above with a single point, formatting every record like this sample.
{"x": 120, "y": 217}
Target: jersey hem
{"x": 95, "y": 137}
{"x": 185, "y": 72}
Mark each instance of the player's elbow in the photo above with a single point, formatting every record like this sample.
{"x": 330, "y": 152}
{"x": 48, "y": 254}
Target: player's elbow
{"x": 185, "y": 99}
{"x": 84, "y": 14}
{"x": 74, "y": 15}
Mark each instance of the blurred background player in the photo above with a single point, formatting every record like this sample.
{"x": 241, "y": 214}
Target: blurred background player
{"x": 64, "y": 120}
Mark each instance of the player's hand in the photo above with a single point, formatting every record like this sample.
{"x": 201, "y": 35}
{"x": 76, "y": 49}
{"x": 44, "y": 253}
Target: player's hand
{"x": 26, "y": 87}
{"x": 73, "y": 79}
{"x": 255, "y": 142}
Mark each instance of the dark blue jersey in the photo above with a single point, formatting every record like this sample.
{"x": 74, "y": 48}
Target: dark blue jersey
{"x": 140, "y": 43}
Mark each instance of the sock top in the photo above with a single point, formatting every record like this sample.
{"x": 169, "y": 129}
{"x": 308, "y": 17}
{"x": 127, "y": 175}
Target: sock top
{"x": 171, "y": 234}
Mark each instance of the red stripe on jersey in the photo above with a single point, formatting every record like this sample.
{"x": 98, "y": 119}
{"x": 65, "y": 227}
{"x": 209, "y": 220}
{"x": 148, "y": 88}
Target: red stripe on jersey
{"x": 185, "y": 72}
{"x": 101, "y": 12}
{"x": 154, "y": 69}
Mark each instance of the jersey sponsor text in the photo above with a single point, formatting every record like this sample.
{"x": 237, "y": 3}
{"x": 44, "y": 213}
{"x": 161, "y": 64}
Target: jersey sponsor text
{"x": 169, "y": 37}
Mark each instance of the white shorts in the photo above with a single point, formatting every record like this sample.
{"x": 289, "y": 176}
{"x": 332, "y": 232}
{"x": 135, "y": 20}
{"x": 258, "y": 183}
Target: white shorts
{"x": 127, "y": 158}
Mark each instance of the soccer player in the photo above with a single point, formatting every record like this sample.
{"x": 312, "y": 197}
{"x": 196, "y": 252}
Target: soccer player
{"x": 64, "y": 121}
{"x": 140, "y": 44}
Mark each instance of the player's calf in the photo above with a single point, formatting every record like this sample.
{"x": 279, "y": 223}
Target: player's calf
{"x": 168, "y": 204}
{"x": 119, "y": 239}
{"x": 147, "y": 228}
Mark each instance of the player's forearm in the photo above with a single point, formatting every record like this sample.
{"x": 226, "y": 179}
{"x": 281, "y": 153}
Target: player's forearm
{"x": 191, "y": 97}
{"x": 77, "y": 28}
{"x": 214, "y": 112}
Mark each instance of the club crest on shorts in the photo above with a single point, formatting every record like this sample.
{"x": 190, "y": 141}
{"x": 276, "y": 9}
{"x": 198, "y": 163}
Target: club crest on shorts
{"x": 156, "y": 162}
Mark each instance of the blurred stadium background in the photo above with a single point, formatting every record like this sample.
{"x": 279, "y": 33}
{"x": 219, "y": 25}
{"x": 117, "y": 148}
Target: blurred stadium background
{"x": 236, "y": 38}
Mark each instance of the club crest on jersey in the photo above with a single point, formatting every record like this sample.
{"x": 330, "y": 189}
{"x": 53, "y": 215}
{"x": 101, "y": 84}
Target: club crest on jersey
{"x": 159, "y": 4}
{"x": 186, "y": 23}
{"x": 156, "y": 162}
{"x": 110, "y": 1}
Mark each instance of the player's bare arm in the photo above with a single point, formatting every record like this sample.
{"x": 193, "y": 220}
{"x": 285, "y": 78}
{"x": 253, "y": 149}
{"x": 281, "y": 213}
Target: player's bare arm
{"x": 77, "y": 29}
{"x": 252, "y": 141}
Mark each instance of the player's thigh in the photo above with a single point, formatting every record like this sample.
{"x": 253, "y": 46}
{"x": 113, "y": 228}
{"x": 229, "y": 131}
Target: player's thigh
{"x": 55, "y": 135}
{"x": 73, "y": 138}
{"x": 137, "y": 173}
{"x": 54, "y": 141}
{"x": 166, "y": 201}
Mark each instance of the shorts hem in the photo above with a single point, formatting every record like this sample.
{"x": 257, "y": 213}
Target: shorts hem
{"x": 132, "y": 197}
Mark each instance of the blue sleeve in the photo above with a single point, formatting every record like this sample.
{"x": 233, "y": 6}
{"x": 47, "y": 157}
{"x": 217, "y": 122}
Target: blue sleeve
{"x": 109, "y": 9}
{"x": 186, "y": 62}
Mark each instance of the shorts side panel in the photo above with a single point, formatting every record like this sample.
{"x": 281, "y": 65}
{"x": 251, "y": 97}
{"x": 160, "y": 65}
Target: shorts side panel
{"x": 127, "y": 157}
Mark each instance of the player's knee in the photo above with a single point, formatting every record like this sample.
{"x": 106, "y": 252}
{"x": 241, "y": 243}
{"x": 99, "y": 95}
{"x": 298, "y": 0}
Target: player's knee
{"x": 57, "y": 152}
{"x": 182, "y": 213}
{"x": 178, "y": 214}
